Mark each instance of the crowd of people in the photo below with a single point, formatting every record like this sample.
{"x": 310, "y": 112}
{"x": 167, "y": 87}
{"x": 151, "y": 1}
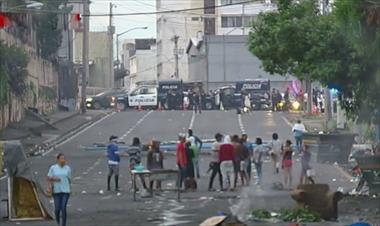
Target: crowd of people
{"x": 232, "y": 158}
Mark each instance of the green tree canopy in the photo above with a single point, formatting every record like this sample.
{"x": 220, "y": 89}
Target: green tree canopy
{"x": 13, "y": 72}
{"x": 297, "y": 39}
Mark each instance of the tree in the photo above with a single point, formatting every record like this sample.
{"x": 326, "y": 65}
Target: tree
{"x": 49, "y": 37}
{"x": 299, "y": 40}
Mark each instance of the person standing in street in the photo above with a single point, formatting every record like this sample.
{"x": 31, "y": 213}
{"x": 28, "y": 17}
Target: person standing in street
{"x": 298, "y": 131}
{"x": 305, "y": 166}
{"x": 134, "y": 154}
{"x": 59, "y": 177}
{"x": 198, "y": 102}
{"x": 276, "y": 150}
{"x": 287, "y": 164}
{"x": 215, "y": 164}
{"x": 197, "y": 146}
{"x": 182, "y": 159}
{"x": 226, "y": 159}
{"x": 258, "y": 153}
{"x": 239, "y": 160}
{"x": 248, "y": 147}
{"x": 113, "y": 162}
{"x": 155, "y": 161}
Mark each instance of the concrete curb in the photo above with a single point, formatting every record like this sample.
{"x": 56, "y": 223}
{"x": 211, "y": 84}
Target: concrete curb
{"x": 51, "y": 145}
{"x": 67, "y": 118}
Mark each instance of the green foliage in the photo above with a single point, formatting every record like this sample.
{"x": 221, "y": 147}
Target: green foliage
{"x": 47, "y": 93}
{"x": 260, "y": 214}
{"x": 49, "y": 37}
{"x": 338, "y": 49}
{"x": 13, "y": 72}
{"x": 300, "y": 215}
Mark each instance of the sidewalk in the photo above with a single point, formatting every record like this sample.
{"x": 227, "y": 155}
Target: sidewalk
{"x": 39, "y": 135}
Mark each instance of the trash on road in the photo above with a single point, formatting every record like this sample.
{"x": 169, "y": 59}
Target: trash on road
{"x": 101, "y": 192}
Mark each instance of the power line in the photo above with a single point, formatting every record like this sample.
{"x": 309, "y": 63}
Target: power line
{"x": 37, "y": 11}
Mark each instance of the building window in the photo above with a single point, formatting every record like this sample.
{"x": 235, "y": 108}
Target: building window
{"x": 194, "y": 18}
{"x": 232, "y": 21}
{"x": 226, "y": 2}
{"x": 247, "y": 20}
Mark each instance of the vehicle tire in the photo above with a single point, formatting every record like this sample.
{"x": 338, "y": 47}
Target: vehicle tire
{"x": 97, "y": 106}
{"x": 208, "y": 106}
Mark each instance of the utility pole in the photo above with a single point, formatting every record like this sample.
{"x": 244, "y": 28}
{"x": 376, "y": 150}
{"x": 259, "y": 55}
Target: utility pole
{"x": 111, "y": 31}
{"x": 175, "y": 40}
{"x": 85, "y": 70}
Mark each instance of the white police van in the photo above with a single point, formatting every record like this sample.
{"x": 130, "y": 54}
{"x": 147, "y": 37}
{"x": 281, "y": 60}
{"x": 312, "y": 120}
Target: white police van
{"x": 144, "y": 96}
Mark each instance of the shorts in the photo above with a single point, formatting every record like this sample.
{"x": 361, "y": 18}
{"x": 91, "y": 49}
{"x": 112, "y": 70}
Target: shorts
{"x": 287, "y": 163}
{"x": 113, "y": 169}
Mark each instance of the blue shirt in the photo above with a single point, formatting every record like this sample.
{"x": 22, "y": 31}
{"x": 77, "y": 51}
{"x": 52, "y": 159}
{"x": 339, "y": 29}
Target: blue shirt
{"x": 112, "y": 154}
{"x": 64, "y": 174}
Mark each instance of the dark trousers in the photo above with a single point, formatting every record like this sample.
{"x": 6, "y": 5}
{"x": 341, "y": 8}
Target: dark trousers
{"x": 182, "y": 175}
{"x": 198, "y": 108}
{"x": 216, "y": 170}
{"x": 60, "y": 203}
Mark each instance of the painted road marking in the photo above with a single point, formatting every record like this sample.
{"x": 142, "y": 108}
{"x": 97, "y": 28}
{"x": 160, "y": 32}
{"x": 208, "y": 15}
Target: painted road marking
{"x": 192, "y": 120}
{"x": 125, "y": 135}
{"x": 79, "y": 133}
{"x": 287, "y": 121}
{"x": 241, "y": 125}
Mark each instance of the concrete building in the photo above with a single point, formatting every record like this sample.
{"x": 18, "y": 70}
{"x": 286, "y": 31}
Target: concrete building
{"x": 98, "y": 56}
{"x": 236, "y": 19}
{"x": 185, "y": 25}
{"x": 142, "y": 61}
{"x": 223, "y": 60}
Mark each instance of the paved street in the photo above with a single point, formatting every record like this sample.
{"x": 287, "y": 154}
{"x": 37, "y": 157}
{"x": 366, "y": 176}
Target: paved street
{"x": 88, "y": 207}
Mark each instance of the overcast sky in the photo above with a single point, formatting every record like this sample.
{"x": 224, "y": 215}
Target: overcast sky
{"x": 123, "y": 23}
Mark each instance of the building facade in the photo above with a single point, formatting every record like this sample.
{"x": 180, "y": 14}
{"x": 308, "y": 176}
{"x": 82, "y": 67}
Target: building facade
{"x": 98, "y": 57}
{"x": 184, "y": 25}
{"x": 140, "y": 56}
{"x": 219, "y": 60}
{"x": 236, "y": 19}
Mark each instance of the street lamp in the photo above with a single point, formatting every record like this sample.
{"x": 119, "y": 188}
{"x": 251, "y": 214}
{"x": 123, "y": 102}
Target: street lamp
{"x": 122, "y": 33}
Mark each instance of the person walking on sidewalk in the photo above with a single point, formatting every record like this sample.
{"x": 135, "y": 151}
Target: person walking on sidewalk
{"x": 197, "y": 146}
{"x": 59, "y": 177}
{"x": 134, "y": 153}
{"x": 275, "y": 153}
{"x": 215, "y": 164}
{"x": 155, "y": 161}
{"x": 287, "y": 164}
{"x": 258, "y": 157}
{"x": 248, "y": 161}
{"x": 226, "y": 159}
{"x": 306, "y": 170}
{"x": 113, "y": 162}
{"x": 298, "y": 131}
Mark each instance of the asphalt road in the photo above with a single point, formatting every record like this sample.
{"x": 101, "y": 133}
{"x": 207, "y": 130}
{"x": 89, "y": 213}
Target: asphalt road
{"x": 87, "y": 206}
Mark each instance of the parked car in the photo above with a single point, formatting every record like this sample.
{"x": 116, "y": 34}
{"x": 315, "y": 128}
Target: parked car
{"x": 106, "y": 99}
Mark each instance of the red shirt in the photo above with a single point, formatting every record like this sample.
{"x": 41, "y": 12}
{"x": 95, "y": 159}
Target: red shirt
{"x": 226, "y": 152}
{"x": 181, "y": 155}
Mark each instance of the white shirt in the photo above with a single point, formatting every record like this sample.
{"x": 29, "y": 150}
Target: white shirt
{"x": 215, "y": 151}
{"x": 299, "y": 127}
{"x": 276, "y": 146}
